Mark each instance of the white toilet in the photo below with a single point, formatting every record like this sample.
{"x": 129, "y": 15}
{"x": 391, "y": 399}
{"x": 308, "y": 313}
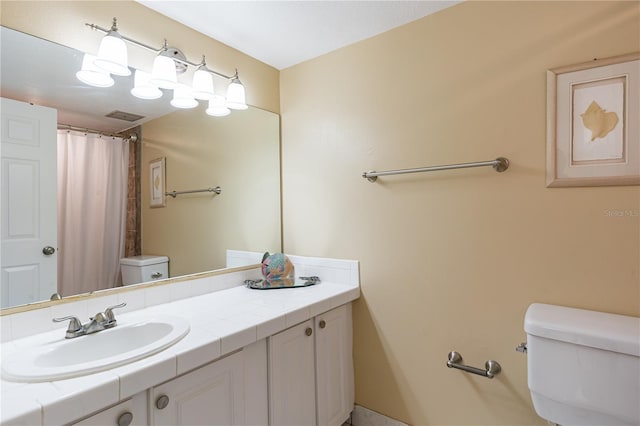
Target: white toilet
{"x": 139, "y": 269}
{"x": 583, "y": 366}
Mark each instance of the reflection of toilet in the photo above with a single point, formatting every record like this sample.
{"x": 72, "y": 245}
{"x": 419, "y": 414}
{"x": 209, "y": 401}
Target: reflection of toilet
{"x": 583, "y": 366}
{"x": 139, "y": 269}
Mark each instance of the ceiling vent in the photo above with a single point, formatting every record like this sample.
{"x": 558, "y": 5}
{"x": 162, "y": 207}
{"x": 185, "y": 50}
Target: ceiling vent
{"x": 126, "y": 116}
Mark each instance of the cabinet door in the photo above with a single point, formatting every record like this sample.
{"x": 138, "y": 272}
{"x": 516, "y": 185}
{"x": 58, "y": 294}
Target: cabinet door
{"x": 211, "y": 395}
{"x": 334, "y": 366}
{"x": 130, "y": 412}
{"x": 292, "y": 377}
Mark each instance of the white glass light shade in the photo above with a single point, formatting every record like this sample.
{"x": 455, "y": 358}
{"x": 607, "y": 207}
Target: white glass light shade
{"x": 183, "y": 98}
{"x": 112, "y": 55}
{"x": 92, "y": 75}
{"x": 164, "y": 74}
{"x": 235, "y": 95}
{"x": 217, "y": 107}
{"x": 142, "y": 88}
{"x": 202, "y": 85}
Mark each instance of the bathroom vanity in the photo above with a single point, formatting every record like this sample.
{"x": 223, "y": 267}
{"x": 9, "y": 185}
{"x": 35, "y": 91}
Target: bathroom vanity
{"x": 251, "y": 356}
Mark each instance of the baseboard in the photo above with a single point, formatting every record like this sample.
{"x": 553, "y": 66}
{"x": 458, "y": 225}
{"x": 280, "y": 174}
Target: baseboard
{"x": 364, "y": 417}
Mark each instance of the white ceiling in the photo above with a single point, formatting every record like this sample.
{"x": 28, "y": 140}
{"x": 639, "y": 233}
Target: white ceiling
{"x": 285, "y": 33}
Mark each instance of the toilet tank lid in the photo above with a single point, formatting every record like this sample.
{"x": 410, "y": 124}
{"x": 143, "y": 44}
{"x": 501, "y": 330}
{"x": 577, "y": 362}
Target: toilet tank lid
{"x": 617, "y": 333}
{"x": 143, "y": 260}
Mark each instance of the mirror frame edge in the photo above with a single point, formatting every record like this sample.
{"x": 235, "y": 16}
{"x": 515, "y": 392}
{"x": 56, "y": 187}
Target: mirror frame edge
{"x": 123, "y": 289}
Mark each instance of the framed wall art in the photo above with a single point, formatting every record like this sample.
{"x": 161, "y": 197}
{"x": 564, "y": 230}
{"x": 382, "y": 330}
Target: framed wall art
{"x": 593, "y": 121}
{"x": 157, "y": 180}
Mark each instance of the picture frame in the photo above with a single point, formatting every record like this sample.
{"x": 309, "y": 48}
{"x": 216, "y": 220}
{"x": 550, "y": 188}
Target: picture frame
{"x": 157, "y": 183}
{"x": 593, "y": 130}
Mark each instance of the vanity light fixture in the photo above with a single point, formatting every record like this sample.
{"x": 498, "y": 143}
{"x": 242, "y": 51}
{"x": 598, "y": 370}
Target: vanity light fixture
{"x": 203, "y": 84}
{"x": 168, "y": 63}
{"x": 235, "y": 94}
{"x": 217, "y": 107}
{"x": 183, "y": 97}
{"x": 92, "y": 75}
{"x": 142, "y": 88}
{"x": 112, "y": 54}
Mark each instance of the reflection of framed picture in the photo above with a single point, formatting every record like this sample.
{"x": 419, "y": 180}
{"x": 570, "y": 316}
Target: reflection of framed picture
{"x": 156, "y": 177}
{"x": 593, "y": 135}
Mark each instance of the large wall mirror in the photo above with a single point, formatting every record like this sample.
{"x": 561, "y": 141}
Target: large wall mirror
{"x": 240, "y": 153}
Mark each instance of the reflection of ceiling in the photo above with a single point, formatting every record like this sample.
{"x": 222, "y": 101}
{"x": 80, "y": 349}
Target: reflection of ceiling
{"x": 41, "y": 72}
{"x": 284, "y": 33}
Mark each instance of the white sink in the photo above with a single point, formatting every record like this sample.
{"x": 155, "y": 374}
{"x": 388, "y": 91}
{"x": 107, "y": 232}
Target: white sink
{"x": 66, "y": 358}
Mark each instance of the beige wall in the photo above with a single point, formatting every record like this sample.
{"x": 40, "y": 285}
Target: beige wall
{"x": 63, "y": 22}
{"x": 241, "y": 154}
{"x": 451, "y": 260}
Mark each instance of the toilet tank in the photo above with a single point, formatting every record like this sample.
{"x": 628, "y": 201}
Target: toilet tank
{"x": 583, "y": 366}
{"x": 139, "y": 269}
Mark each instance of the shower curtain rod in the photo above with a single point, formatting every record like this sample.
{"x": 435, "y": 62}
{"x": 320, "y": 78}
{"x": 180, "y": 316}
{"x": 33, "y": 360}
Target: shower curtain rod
{"x": 133, "y": 137}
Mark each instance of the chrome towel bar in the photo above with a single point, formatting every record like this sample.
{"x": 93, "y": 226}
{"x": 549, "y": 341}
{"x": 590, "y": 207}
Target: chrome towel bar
{"x": 491, "y": 367}
{"x": 500, "y": 164}
{"x": 174, "y": 194}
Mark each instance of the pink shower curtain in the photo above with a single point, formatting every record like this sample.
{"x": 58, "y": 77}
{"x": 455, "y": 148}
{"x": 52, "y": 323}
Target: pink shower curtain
{"x": 92, "y": 200}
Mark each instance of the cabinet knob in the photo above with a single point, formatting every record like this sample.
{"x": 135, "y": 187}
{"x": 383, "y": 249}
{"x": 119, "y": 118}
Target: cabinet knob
{"x": 162, "y": 402}
{"x": 322, "y": 324}
{"x": 125, "y": 419}
{"x": 308, "y": 331}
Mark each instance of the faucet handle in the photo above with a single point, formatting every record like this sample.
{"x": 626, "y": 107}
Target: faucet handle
{"x": 74, "y": 324}
{"x": 100, "y": 318}
{"x": 108, "y": 313}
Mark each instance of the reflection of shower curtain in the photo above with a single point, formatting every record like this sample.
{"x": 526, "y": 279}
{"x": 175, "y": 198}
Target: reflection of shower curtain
{"x": 92, "y": 200}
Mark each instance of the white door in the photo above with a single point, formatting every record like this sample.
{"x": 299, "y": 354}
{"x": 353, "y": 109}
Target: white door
{"x": 29, "y": 203}
{"x": 212, "y": 395}
{"x": 334, "y": 366}
{"x": 292, "y": 377}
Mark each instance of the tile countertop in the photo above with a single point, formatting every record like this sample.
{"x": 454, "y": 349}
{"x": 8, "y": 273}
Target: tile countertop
{"x": 221, "y": 322}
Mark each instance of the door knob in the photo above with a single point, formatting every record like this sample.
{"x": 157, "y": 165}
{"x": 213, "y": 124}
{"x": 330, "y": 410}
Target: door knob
{"x": 48, "y": 250}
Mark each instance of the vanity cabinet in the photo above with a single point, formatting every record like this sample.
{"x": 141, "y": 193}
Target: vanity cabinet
{"x": 132, "y": 412}
{"x": 334, "y": 366}
{"x": 311, "y": 371}
{"x": 231, "y": 391}
{"x": 302, "y": 376}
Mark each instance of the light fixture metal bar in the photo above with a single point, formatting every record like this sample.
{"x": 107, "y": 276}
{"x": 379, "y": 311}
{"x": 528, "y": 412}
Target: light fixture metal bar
{"x": 161, "y": 49}
{"x": 130, "y": 40}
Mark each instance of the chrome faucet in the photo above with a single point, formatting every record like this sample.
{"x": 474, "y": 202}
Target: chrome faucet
{"x": 100, "y": 321}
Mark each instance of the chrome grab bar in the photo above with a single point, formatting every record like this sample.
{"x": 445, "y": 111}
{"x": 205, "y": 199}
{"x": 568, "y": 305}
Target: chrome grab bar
{"x": 174, "y": 194}
{"x": 500, "y": 164}
{"x": 491, "y": 367}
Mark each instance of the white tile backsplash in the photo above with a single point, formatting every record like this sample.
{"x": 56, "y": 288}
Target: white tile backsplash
{"x": 31, "y": 322}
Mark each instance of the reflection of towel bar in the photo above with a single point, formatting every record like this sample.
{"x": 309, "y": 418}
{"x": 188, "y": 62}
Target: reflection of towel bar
{"x": 174, "y": 194}
{"x": 500, "y": 164}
